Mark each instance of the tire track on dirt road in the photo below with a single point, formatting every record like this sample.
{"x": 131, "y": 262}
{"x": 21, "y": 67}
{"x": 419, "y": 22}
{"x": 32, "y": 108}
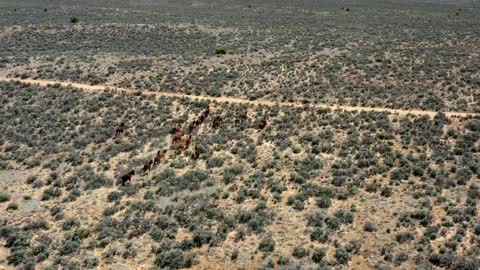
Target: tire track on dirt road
{"x": 96, "y": 88}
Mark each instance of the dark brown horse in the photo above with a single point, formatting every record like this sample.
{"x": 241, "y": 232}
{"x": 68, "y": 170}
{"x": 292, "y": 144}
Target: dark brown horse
{"x": 217, "y": 122}
{"x": 241, "y": 117}
{"x": 181, "y": 145}
{"x": 178, "y": 137}
{"x": 127, "y": 177}
{"x": 120, "y": 129}
{"x": 158, "y": 158}
{"x": 196, "y": 153}
{"x": 175, "y": 129}
{"x": 192, "y": 126}
{"x": 206, "y": 113}
{"x": 147, "y": 166}
{"x": 262, "y": 124}
{"x": 244, "y": 116}
{"x": 188, "y": 142}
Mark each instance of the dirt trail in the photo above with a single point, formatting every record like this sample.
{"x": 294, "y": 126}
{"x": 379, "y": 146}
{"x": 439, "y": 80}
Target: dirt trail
{"x": 95, "y": 88}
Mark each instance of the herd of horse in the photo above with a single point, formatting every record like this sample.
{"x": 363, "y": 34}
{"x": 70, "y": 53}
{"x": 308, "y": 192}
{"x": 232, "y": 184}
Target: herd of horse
{"x": 180, "y": 142}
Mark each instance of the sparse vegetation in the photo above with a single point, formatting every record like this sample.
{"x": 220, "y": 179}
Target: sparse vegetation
{"x": 315, "y": 187}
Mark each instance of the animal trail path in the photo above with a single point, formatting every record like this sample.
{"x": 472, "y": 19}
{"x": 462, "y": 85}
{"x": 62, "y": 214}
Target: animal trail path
{"x": 96, "y": 88}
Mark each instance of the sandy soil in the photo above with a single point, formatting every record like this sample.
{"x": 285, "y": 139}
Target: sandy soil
{"x": 94, "y": 88}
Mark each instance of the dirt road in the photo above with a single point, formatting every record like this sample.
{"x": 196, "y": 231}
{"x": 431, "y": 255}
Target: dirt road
{"x": 94, "y": 88}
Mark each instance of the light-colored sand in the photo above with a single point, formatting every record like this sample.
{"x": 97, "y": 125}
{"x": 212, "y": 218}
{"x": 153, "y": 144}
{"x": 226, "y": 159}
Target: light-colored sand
{"x": 94, "y": 88}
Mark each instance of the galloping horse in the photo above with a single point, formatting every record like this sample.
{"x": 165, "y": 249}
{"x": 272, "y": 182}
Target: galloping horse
{"x": 158, "y": 158}
{"x": 241, "y": 117}
{"x": 262, "y": 124}
{"x": 178, "y": 137}
{"x": 217, "y": 122}
{"x": 120, "y": 129}
{"x": 147, "y": 166}
{"x": 196, "y": 152}
{"x": 188, "y": 142}
{"x": 192, "y": 126}
{"x": 175, "y": 129}
{"x": 127, "y": 177}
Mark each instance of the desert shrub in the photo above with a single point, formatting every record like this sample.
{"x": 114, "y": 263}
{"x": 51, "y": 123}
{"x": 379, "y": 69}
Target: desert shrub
{"x": 324, "y": 202}
{"x": 386, "y": 192}
{"x": 4, "y": 197}
{"x": 91, "y": 179}
{"x": 130, "y": 251}
{"x": 404, "y": 237}
{"x": 74, "y": 19}
{"x": 12, "y": 206}
{"x": 234, "y": 255}
{"x": 423, "y": 215}
{"x": 230, "y": 173}
{"x": 318, "y": 254}
{"x": 267, "y": 244}
{"x": 444, "y": 258}
{"x": 90, "y": 262}
{"x": 345, "y": 217}
{"x": 220, "y": 51}
{"x": 400, "y": 258}
{"x": 51, "y": 192}
{"x": 319, "y": 234}
{"x": 202, "y": 237}
{"x": 341, "y": 255}
{"x": 299, "y": 252}
{"x": 369, "y": 227}
{"x": 31, "y": 179}
{"x": 69, "y": 223}
{"x": 37, "y": 225}
{"x": 174, "y": 259}
{"x": 114, "y": 196}
{"x": 215, "y": 162}
{"x": 283, "y": 260}
{"x": 70, "y": 246}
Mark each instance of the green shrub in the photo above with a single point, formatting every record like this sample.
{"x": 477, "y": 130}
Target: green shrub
{"x": 369, "y": 227}
{"x": 221, "y": 51}
{"x": 404, "y": 237}
{"x": 234, "y": 255}
{"x": 12, "y": 206}
{"x": 267, "y": 244}
{"x": 299, "y": 252}
{"x": 4, "y": 197}
{"x": 319, "y": 254}
{"x": 74, "y": 19}
{"x": 341, "y": 255}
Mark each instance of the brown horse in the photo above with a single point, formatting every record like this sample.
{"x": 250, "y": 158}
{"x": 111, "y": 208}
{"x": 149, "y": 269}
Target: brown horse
{"x": 178, "y": 137}
{"x": 207, "y": 111}
{"x": 158, "y": 158}
{"x": 239, "y": 118}
{"x": 244, "y": 116}
{"x": 196, "y": 152}
{"x": 127, "y": 177}
{"x": 217, "y": 122}
{"x": 120, "y": 129}
{"x": 181, "y": 145}
{"x": 147, "y": 166}
{"x": 262, "y": 124}
{"x": 188, "y": 142}
{"x": 175, "y": 129}
{"x": 192, "y": 126}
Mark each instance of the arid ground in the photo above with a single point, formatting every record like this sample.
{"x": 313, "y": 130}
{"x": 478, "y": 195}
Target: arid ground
{"x": 297, "y": 134}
